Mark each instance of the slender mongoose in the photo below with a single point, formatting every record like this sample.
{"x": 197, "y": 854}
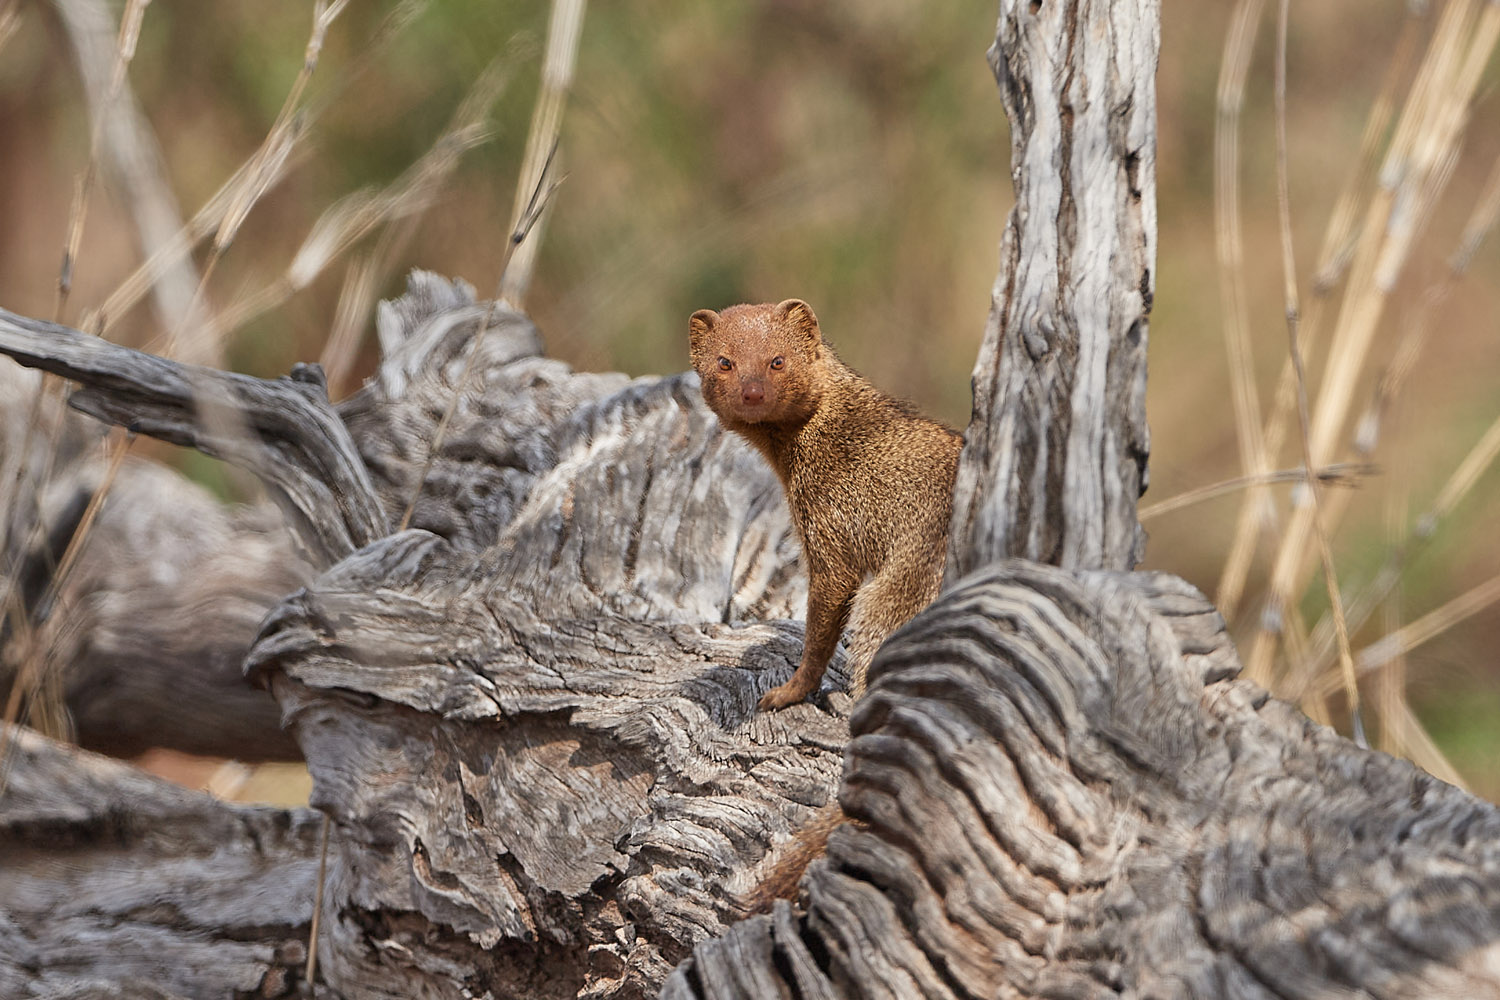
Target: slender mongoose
{"x": 869, "y": 481}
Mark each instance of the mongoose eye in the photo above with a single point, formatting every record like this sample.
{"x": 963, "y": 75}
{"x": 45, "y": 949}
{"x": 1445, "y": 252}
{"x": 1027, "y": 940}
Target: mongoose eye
{"x": 725, "y": 365}
{"x": 778, "y": 363}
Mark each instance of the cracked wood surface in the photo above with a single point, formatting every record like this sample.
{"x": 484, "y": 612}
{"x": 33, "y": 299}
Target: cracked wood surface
{"x": 145, "y": 642}
{"x": 1055, "y": 457}
{"x": 532, "y": 715}
{"x": 532, "y": 720}
{"x": 538, "y": 742}
{"x": 1065, "y": 793}
{"x": 117, "y": 884}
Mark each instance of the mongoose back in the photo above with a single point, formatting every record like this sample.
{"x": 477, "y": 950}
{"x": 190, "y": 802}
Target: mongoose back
{"x": 869, "y": 481}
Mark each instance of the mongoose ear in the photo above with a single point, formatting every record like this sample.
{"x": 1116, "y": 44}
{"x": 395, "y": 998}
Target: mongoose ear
{"x": 800, "y": 315}
{"x": 699, "y": 324}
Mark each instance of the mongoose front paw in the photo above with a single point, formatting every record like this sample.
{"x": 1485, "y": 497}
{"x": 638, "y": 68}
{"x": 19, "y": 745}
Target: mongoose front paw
{"x": 787, "y": 694}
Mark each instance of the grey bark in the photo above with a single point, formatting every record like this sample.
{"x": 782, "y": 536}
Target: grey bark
{"x": 537, "y": 734}
{"x": 1065, "y": 793}
{"x": 531, "y": 716}
{"x": 145, "y": 641}
{"x": 1055, "y": 457}
{"x": 114, "y": 884}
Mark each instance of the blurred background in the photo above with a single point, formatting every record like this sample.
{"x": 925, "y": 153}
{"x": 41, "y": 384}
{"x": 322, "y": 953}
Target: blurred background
{"x": 853, "y": 153}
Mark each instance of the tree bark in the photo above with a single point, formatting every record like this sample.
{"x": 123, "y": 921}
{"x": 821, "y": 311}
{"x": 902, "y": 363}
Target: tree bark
{"x": 115, "y": 884}
{"x": 1055, "y": 456}
{"x": 145, "y": 641}
{"x": 1063, "y": 792}
{"x": 531, "y": 716}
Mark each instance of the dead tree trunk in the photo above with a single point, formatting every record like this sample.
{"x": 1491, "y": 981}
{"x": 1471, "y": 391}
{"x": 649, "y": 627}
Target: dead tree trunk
{"x": 532, "y": 716}
{"x": 1055, "y": 456}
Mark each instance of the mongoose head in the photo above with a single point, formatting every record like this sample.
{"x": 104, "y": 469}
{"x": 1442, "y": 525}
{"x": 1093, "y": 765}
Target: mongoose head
{"x": 758, "y": 364}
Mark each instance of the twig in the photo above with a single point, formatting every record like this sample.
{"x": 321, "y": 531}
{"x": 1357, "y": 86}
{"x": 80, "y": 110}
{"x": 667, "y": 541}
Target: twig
{"x": 317, "y": 913}
{"x": 540, "y": 195}
{"x": 1346, "y": 474}
{"x": 1239, "y": 44}
{"x": 1289, "y": 289}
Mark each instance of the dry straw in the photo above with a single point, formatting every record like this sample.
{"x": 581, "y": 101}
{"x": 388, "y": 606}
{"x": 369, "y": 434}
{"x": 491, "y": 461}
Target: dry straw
{"x": 1239, "y": 43}
{"x": 1416, "y": 170}
{"x": 1256, "y": 516}
{"x": 1368, "y": 242}
{"x": 1293, "y": 310}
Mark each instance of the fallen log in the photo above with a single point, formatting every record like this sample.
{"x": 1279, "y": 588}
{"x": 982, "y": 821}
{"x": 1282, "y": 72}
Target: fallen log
{"x": 117, "y": 884}
{"x": 531, "y": 715}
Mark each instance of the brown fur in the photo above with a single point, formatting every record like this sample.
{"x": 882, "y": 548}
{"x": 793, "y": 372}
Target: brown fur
{"x": 869, "y": 480}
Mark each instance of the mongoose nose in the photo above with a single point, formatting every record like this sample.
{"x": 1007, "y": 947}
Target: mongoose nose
{"x": 753, "y": 394}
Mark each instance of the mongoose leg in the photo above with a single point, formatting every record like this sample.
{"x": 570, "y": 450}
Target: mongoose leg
{"x": 905, "y": 585}
{"x": 829, "y": 599}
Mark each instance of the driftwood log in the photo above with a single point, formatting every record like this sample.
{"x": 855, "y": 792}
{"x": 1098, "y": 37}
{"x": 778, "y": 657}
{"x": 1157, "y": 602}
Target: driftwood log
{"x": 531, "y": 714}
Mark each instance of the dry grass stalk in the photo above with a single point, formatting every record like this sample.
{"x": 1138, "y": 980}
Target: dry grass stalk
{"x": 1289, "y": 279}
{"x": 357, "y": 215}
{"x": 563, "y": 31}
{"x": 1239, "y": 44}
{"x": 207, "y": 219}
{"x": 50, "y": 387}
{"x": 1431, "y": 625}
{"x": 1484, "y": 452}
{"x": 237, "y": 207}
{"x": 1419, "y": 746}
{"x": 537, "y": 204}
{"x": 1390, "y": 683}
{"x": 35, "y": 695}
{"x": 272, "y": 168}
{"x": 1475, "y": 464}
{"x": 311, "y": 971}
{"x": 130, "y": 33}
{"x": 356, "y": 298}
{"x": 10, "y": 20}
{"x": 1340, "y": 474}
{"x": 265, "y": 166}
{"x": 1333, "y": 261}
{"x": 1415, "y": 172}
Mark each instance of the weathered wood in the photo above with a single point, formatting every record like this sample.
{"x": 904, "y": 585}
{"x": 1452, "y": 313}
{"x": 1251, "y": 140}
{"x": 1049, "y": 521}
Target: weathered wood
{"x": 1066, "y": 794}
{"x": 532, "y": 719}
{"x": 145, "y": 640}
{"x": 541, "y": 749}
{"x": 115, "y": 884}
{"x": 546, "y": 755}
{"x": 323, "y": 490}
{"x": 548, "y": 778}
{"x": 149, "y": 633}
{"x": 1055, "y": 456}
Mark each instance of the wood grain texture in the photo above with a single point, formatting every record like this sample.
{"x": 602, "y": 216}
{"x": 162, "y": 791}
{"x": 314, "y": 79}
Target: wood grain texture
{"x": 322, "y": 489}
{"x": 1066, "y": 794}
{"x": 545, "y": 755}
{"x": 145, "y": 641}
{"x": 547, "y": 777}
{"x": 531, "y": 716}
{"x": 1055, "y": 456}
{"x": 115, "y": 884}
